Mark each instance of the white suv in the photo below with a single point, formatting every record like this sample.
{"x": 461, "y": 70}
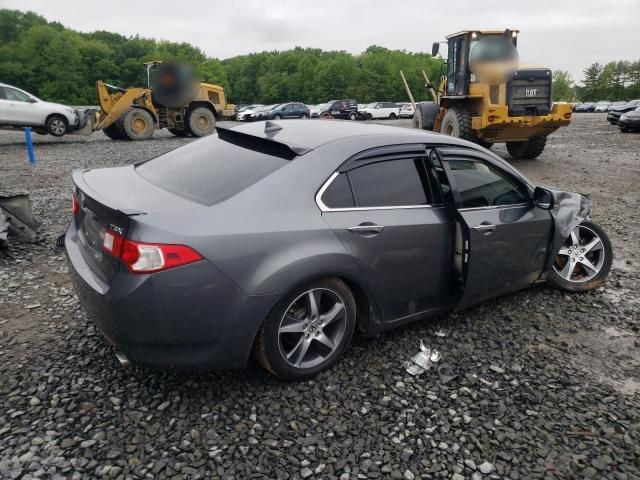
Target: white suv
{"x": 380, "y": 110}
{"x": 21, "y": 109}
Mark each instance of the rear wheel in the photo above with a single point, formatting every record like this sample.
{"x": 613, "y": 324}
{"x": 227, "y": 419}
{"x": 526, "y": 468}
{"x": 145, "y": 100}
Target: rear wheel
{"x": 113, "y": 132}
{"x": 457, "y": 123}
{"x": 57, "y": 125}
{"x": 584, "y": 260}
{"x": 353, "y": 116}
{"x": 529, "y": 149}
{"x": 308, "y": 330}
{"x": 392, "y": 116}
{"x": 138, "y": 124}
{"x": 277, "y": 117}
{"x": 202, "y": 122}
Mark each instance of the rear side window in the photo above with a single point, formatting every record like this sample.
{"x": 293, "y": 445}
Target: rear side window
{"x": 211, "y": 170}
{"x": 482, "y": 186}
{"x": 389, "y": 184}
{"x": 338, "y": 194}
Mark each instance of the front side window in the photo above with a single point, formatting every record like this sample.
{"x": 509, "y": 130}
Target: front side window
{"x": 16, "y": 95}
{"x": 480, "y": 185}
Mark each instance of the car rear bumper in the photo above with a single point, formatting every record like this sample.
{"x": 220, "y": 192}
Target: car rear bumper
{"x": 190, "y": 317}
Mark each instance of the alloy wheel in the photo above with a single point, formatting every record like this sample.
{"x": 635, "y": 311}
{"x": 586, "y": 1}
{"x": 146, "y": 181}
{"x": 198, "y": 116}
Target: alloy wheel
{"x": 581, "y": 257}
{"x": 57, "y": 126}
{"x": 312, "y": 328}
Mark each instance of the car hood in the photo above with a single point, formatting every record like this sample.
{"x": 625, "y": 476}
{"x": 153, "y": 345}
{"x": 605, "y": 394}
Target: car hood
{"x": 57, "y": 106}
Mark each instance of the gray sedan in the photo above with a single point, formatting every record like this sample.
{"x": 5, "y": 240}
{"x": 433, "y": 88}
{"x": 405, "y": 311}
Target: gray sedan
{"x": 285, "y": 238}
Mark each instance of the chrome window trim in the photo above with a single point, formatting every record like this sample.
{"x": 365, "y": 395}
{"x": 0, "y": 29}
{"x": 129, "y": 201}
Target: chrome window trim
{"x": 324, "y": 208}
{"x": 493, "y": 207}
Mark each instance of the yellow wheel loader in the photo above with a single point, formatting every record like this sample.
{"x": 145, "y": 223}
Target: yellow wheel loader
{"x": 171, "y": 100}
{"x": 487, "y": 97}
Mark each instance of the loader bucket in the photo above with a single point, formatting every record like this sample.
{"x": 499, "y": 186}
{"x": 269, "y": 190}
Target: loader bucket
{"x": 17, "y": 217}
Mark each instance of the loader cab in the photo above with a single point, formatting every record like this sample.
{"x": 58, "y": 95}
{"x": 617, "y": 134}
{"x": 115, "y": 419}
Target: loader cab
{"x": 459, "y": 46}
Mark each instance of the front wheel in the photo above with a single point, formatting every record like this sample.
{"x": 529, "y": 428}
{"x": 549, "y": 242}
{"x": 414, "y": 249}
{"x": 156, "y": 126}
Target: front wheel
{"x": 353, "y": 116}
{"x": 457, "y": 123}
{"x": 392, "y": 116}
{"x": 137, "y": 124}
{"x": 308, "y": 330}
{"x": 57, "y": 125}
{"x": 529, "y": 149}
{"x": 584, "y": 260}
{"x": 277, "y": 117}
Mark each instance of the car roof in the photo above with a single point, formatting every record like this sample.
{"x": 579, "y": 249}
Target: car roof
{"x": 299, "y": 134}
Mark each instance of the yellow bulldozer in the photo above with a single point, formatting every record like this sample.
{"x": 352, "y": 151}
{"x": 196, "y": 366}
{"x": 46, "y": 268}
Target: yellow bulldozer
{"x": 487, "y": 97}
{"x": 172, "y": 100}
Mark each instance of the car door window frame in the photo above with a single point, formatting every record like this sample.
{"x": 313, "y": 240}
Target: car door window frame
{"x": 380, "y": 154}
{"x": 463, "y": 154}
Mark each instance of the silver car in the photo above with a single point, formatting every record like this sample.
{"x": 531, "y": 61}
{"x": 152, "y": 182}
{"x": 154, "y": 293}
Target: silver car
{"x": 21, "y": 109}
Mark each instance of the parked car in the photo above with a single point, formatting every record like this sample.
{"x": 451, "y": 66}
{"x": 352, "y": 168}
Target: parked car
{"x": 630, "y": 121}
{"x": 287, "y": 110}
{"x": 615, "y": 105}
{"x": 285, "y": 242}
{"x": 614, "y": 115}
{"x": 575, "y": 105}
{"x": 315, "y": 110}
{"x": 407, "y": 111}
{"x": 19, "y": 109}
{"x": 259, "y": 112}
{"x": 245, "y": 112}
{"x": 345, "y": 109}
{"x": 585, "y": 107}
{"x": 601, "y": 106}
{"x": 379, "y": 110}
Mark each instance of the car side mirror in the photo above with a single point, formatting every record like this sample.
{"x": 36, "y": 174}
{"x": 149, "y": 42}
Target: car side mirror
{"x": 543, "y": 198}
{"x": 435, "y": 48}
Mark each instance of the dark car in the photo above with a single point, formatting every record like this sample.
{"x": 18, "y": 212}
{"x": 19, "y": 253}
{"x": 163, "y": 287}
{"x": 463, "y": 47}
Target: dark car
{"x": 630, "y": 121}
{"x": 614, "y": 115}
{"x": 585, "y": 107}
{"x": 286, "y": 238}
{"x": 287, "y": 110}
{"x": 344, "y": 109}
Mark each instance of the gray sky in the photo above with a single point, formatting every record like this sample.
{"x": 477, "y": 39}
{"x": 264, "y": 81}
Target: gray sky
{"x": 560, "y": 34}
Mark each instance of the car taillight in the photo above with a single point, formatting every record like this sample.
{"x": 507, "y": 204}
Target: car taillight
{"x": 142, "y": 257}
{"x": 76, "y": 205}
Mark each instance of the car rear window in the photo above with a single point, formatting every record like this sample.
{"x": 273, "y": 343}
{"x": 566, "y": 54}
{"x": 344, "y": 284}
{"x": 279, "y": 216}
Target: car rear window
{"x": 211, "y": 170}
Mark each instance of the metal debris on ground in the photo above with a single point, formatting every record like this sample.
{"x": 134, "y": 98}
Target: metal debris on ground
{"x": 16, "y": 216}
{"x": 422, "y": 361}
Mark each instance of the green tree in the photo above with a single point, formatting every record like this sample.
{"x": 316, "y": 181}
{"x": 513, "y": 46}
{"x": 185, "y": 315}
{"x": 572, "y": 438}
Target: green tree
{"x": 563, "y": 86}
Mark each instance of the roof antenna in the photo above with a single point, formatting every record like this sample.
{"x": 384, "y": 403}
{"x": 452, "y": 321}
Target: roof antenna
{"x": 270, "y": 127}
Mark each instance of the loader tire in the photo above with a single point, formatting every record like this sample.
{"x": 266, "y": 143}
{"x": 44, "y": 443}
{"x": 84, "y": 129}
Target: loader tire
{"x": 201, "y": 121}
{"x": 457, "y": 123}
{"x": 528, "y": 149}
{"x": 113, "y": 132}
{"x": 138, "y": 124}
{"x": 424, "y": 118}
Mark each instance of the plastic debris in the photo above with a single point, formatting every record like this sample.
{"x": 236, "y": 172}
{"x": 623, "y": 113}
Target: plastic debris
{"x": 441, "y": 333}
{"x": 422, "y": 361}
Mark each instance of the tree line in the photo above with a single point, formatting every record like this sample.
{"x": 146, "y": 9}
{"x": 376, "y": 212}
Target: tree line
{"x": 62, "y": 65}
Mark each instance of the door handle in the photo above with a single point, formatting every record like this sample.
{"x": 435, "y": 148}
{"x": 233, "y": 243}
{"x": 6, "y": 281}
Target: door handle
{"x": 486, "y": 228}
{"x": 369, "y": 229}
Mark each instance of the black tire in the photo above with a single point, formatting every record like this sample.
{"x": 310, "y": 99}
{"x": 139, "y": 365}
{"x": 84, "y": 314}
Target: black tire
{"x": 267, "y": 346}
{"x": 528, "y": 149}
{"x": 57, "y": 125}
{"x": 305, "y": 116}
{"x": 277, "y": 117}
{"x": 424, "y": 117}
{"x": 581, "y": 286}
{"x": 392, "y": 116}
{"x": 353, "y": 116}
{"x": 202, "y": 121}
{"x": 179, "y": 133}
{"x": 137, "y": 124}
{"x": 114, "y": 132}
{"x": 457, "y": 123}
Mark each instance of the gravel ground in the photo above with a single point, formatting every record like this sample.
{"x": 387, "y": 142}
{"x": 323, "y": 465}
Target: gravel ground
{"x": 548, "y": 383}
